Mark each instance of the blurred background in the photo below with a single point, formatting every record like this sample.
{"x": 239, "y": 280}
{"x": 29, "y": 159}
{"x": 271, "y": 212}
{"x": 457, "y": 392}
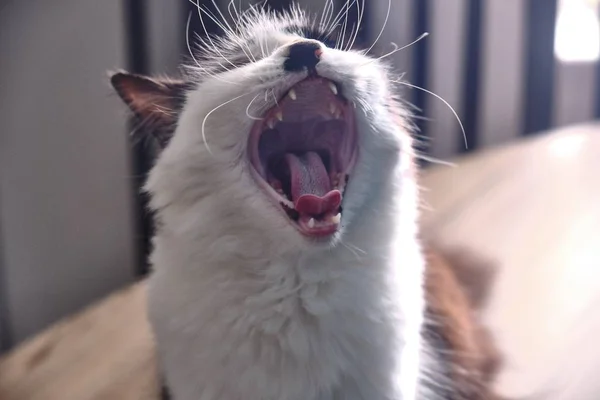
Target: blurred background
{"x": 71, "y": 225}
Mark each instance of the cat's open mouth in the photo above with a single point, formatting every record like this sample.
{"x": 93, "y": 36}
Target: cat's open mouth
{"x": 303, "y": 151}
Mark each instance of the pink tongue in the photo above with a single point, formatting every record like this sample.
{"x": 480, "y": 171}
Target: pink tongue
{"x": 311, "y": 186}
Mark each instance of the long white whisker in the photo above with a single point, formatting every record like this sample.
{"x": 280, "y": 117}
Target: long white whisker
{"x": 187, "y": 41}
{"x": 354, "y": 250}
{"x": 238, "y": 21}
{"x": 331, "y": 11}
{"x": 397, "y": 49}
{"x": 437, "y": 96}
{"x": 235, "y": 18}
{"x": 224, "y": 19}
{"x": 387, "y": 16}
{"x": 248, "y": 110}
{"x": 214, "y": 18}
{"x": 325, "y": 8}
{"x": 233, "y": 35}
{"x": 346, "y": 47}
{"x": 345, "y": 25}
{"x": 434, "y": 160}
{"x": 339, "y": 16}
{"x": 208, "y": 115}
{"x": 337, "y": 20}
{"x": 359, "y": 12}
{"x": 200, "y": 11}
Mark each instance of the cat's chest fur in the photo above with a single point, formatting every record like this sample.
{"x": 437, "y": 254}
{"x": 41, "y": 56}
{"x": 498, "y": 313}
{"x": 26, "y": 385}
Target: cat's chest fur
{"x": 332, "y": 326}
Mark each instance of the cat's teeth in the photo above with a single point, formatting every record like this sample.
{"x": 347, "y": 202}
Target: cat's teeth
{"x": 336, "y": 218}
{"x": 271, "y": 123}
{"x": 279, "y": 115}
{"x": 336, "y": 180}
{"x": 332, "y": 108}
{"x": 292, "y": 94}
{"x": 333, "y": 88}
{"x": 338, "y": 113}
{"x": 311, "y": 223}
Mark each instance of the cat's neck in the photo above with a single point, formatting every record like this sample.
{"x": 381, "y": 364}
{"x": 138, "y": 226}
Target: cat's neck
{"x": 328, "y": 322}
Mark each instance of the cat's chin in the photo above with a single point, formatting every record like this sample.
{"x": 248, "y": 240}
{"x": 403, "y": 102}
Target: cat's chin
{"x": 302, "y": 152}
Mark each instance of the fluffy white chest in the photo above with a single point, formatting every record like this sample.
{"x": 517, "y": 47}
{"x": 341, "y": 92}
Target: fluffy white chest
{"x": 334, "y": 326}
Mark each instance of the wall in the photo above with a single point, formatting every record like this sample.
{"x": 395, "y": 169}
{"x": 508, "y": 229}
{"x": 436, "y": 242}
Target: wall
{"x": 64, "y": 200}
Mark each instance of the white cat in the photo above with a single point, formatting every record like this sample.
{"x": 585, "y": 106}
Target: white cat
{"x": 286, "y": 263}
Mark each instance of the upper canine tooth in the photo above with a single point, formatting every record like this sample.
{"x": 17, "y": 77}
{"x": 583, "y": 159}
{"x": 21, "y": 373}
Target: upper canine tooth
{"x": 333, "y": 88}
{"x": 279, "y": 115}
{"x": 292, "y": 94}
{"x": 271, "y": 123}
{"x": 311, "y": 223}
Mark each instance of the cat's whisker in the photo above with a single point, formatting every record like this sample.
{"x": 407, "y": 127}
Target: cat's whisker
{"x": 346, "y": 47}
{"x": 397, "y": 49}
{"x": 356, "y": 255}
{"x": 330, "y": 12}
{"x": 235, "y": 18}
{"x": 262, "y": 49}
{"x": 240, "y": 23}
{"x": 200, "y": 11}
{"x": 209, "y": 114}
{"x": 434, "y": 160}
{"x": 187, "y": 41}
{"x": 339, "y": 17}
{"x": 233, "y": 34}
{"x": 248, "y": 109}
{"x": 338, "y": 41}
{"x": 345, "y": 24}
{"x": 214, "y": 18}
{"x": 385, "y": 21}
{"x": 323, "y": 13}
{"x": 437, "y": 96}
{"x": 231, "y": 31}
{"x": 359, "y": 12}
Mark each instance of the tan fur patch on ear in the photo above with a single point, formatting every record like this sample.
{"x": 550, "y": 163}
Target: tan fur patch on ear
{"x": 145, "y": 95}
{"x": 155, "y": 102}
{"x": 453, "y": 295}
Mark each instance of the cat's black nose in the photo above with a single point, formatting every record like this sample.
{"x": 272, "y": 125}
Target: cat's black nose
{"x": 302, "y": 55}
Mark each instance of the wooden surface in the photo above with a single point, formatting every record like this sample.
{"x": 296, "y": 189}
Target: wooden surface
{"x": 533, "y": 208}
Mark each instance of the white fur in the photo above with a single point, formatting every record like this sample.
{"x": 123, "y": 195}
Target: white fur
{"x": 243, "y": 306}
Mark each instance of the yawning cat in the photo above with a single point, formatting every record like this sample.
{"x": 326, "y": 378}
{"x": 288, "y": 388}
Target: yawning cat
{"x": 287, "y": 263}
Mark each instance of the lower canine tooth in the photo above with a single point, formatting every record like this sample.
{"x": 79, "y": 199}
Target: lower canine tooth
{"x": 311, "y": 223}
{"x": 336, "y": 218}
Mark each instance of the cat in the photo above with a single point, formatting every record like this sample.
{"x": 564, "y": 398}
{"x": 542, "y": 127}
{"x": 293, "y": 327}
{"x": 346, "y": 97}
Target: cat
{"x": 287, "y": 260}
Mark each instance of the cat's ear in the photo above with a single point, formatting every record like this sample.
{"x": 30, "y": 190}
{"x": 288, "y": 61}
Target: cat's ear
{"x": 156, "y": 103}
